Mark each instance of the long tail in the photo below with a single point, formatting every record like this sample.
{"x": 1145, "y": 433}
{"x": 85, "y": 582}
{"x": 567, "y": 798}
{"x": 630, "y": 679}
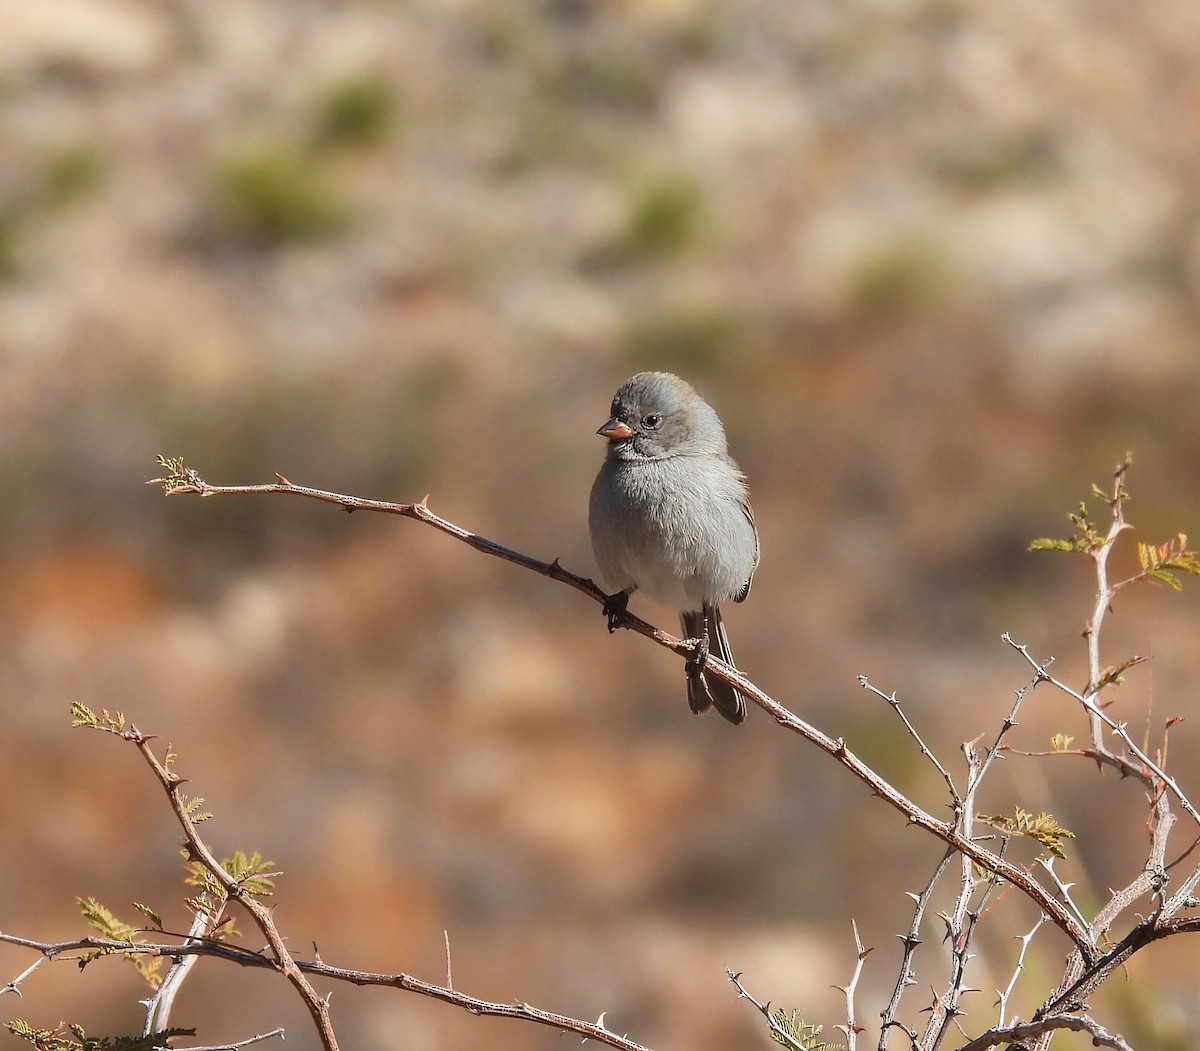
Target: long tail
{"x": 704, "y": 690}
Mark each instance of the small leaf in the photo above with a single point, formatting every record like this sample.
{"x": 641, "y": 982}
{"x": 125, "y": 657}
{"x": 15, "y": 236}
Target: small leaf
{"x": 71, "y": 1036}
{"x": 1160, "y": 562}
{"x": 82, "y": 715}
{"x": 1086, "y": 537}
{"x": 1115, "y": 675}
{"x": 150, "y": 914}
{"x": 1047, "y": 544}
{"x": 795, "y": 1032}
{"x": 1043, "y": 828}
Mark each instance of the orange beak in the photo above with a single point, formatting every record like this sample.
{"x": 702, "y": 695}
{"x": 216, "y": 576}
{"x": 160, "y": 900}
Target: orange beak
{"x": 615, "y": 430}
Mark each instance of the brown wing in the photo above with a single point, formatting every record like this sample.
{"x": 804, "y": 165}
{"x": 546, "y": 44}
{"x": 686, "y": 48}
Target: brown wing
{"x": 748, "y": 511}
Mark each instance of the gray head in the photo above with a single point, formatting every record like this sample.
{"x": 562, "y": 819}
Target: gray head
{"x": 656, "y": 415}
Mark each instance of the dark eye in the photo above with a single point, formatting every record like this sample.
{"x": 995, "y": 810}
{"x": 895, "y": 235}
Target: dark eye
{"x": 652, "y": 421}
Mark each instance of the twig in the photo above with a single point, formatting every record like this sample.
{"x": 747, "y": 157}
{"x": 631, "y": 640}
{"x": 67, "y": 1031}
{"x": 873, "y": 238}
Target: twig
{"x": 158, "y": 1007}
{"x": 960, "y": 922}
{"x": 320, "y": 969}
{"x": 255, "y": 1039}
{"x": 1119, "y": 729}
{"x": 852, "y": 1028}
{"x": 777, "y": 1031}
{"x": 14, "y": 985}
{"x": 910, "y": 941}
{"x": 892, "y": 700}
{"x": 318, "y": 1007}
{"x": 1064, "y": 889}
{"x": 1023, "y": 1031}
{"x": 1026, "y": 938}
{"x": 1104, "y": 597}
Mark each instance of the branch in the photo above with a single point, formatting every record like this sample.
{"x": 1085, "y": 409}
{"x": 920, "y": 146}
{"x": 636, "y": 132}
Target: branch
{"x": 852, "y": 1028}
{"x": 183, "y": 480}
{"x": 158, "y": 1007}
{"x": 778, "y": 1032}
{"x": 319, "y": 969}
{"x": 233, "y": 886}
{"x": 926, "y": 751}
{"x": 1022, "y": 1031}
{"x": 1025, "y": 939}
{"x": 911, "y": 941}
{"x": 1119, "y": 729}
{"x": 238, "y": 1044}
{"x": 1104, "y": 596}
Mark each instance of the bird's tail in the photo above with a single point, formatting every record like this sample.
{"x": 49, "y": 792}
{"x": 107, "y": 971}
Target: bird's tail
{"x": 704, "y": 690}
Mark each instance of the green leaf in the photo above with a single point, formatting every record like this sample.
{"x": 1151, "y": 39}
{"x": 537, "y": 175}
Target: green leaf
{"x": 1044, "y": 543}
{"x": 1041, "y": 827}
{"x": 793, "y": 1031}
{"x": 250, "y": 871}
{"x": 109, "y": 926}
{"x": 82, "y": 715}
{"x": 179, "y": 478}
{"x": 70, "y": 1036}
{"x": 149, "y": 913}
{"x": 191, "y": 807}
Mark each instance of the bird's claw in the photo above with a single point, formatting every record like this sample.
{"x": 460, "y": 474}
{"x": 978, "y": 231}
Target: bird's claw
{"x": 614, "y": 610}
{"x": 699, "y": 658}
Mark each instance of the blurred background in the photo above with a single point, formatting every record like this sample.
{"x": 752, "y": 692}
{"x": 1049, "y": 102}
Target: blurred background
{"x": 936, "y": 264}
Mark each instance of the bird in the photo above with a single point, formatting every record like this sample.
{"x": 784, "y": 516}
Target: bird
{"x": 669, "y": 515}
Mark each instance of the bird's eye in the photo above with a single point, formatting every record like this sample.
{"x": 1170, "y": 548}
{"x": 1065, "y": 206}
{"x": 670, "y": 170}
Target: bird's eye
{"x": 653, "y": 420}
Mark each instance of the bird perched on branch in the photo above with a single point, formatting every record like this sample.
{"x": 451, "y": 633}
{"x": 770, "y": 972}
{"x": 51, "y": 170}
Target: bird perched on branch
{"x": 670, "y": 515}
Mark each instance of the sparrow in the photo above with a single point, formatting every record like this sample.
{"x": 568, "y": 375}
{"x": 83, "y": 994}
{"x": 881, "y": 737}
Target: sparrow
{"x": 670, "y": 515}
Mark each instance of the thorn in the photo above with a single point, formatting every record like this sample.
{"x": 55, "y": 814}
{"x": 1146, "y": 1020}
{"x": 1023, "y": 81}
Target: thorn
{"x": 282, "y": 480}
{"x": 424, "y": 502}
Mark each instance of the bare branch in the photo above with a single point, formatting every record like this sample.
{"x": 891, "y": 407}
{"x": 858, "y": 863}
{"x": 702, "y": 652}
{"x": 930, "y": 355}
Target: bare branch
{"x": 14, "y": 985}
{"x": 852, "y": 1028}
{"x": 892, "y": 700}
{"x": 158, "y": 1007}
{"x": 319, "y": 969}
{"x": 911, "y": 941}
{"x": 1149, "y": 767}
{"x": 777, "y": 1031}
{"x": 238, "y": 1044}
{"x": 1026, "y": 939}
{"x": 1021, "y": 1031}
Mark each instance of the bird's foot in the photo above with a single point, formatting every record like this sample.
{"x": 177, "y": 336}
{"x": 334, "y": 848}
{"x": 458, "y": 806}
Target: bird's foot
{"x": 699, "y": 658}
{"x": 614, "y": 609}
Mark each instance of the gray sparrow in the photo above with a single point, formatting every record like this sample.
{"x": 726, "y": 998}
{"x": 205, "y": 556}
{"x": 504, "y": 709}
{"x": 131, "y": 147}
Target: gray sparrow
{"x": 670, "y": 515}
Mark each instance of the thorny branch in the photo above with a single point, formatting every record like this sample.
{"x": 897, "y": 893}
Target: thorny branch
{"x": 318, "y": 968}
{"x": 185, "y": 480}
{"x": 318, "y": 1006}
{"x": 852, "y": 1028}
